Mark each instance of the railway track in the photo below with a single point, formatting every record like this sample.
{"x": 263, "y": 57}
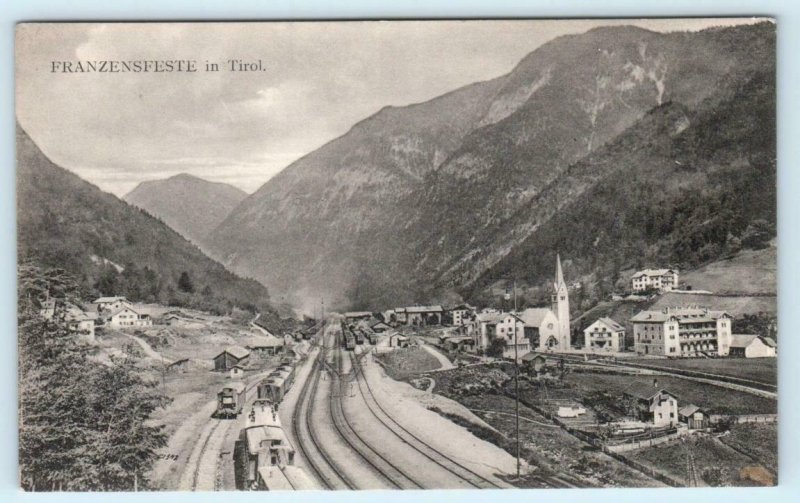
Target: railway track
{"x": 462, "y": 472}
{"x": 317, "y": 458}
{"x": 205, "y": 466}
{"x": 391, "y": 473}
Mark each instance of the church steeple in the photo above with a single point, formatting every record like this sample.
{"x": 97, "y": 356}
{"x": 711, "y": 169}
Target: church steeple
{"x": 561, "y": 306}
{"x": 559, "y": 275}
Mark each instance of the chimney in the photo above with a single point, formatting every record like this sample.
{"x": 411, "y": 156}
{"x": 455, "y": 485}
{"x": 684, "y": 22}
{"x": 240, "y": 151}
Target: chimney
{"x": 655, "y": 383}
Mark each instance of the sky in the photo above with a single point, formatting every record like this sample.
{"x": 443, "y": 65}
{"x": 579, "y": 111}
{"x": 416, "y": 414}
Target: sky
{"x": 316, "y": 80}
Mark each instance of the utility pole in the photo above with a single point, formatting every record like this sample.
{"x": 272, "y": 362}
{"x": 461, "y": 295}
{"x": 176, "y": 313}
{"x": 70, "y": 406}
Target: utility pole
{"x": 516, "y": 374}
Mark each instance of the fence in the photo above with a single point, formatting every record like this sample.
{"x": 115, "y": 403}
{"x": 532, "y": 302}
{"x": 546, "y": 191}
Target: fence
{"x": 638, "y": 444}
{"x": 596, "y": 442}
{"x": 745, "y": 418}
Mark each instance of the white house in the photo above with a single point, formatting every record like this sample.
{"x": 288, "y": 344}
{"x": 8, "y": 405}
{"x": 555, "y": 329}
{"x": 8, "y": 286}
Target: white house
{"x": 604, "y": 334}
{"x": 127, "y": 317}
{"x": 752, "y": 346}
{"x": 657, "y": 279}
{"x": 653, "y": 404}
{"x": 682, "y": 331}
{"x": 507, "y": 326}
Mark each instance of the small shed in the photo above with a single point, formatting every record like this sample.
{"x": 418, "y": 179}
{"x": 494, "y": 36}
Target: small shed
{"x": 237, "y": 371}
{"x": 398, "y": 341}
{"x": 233, "y": 355}
{"x": 752, "y": 346}
{"x": 459, "y": 343}
{"x": 533, "y": 362}
{"x": 380, "y": 327}
{"x": 694, "y": 417}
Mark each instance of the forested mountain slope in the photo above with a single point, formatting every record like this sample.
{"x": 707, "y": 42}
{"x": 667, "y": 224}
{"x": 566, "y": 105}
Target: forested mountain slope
{"x": 112, "y": 248}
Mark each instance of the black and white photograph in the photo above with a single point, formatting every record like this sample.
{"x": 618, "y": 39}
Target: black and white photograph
{"x": 398, "y": 254}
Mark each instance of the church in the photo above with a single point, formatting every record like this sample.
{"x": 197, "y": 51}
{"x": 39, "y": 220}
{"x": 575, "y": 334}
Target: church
{"x": 550, "y": 326}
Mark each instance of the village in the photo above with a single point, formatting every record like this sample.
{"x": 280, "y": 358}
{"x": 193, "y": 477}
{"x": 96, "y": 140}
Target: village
{"x": 583, "y": 411}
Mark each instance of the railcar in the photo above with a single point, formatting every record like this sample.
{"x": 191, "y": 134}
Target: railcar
{"x": 230, "y": 400}
{"x": 262, "y": 446}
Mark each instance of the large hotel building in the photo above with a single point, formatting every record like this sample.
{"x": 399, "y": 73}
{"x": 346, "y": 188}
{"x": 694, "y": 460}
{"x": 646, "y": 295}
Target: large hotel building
{"x": 682, "y": 332}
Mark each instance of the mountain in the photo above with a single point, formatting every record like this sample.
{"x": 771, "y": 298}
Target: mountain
{"x": 444, "y": 197}
{"x": 112, "y": 248}
{"x": 190, "y": 205}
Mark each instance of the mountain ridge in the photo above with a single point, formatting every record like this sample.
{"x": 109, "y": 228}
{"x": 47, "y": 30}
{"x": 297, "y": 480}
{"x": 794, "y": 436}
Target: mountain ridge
{"x": 347, "y": 218}
{"x": 189, "y": 204}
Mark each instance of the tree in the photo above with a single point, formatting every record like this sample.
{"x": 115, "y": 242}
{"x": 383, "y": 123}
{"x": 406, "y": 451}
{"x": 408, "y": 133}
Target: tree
{"x": 185, "y": 283}
{"x": 496, "y": 347}
{"x": 83, "y": 425}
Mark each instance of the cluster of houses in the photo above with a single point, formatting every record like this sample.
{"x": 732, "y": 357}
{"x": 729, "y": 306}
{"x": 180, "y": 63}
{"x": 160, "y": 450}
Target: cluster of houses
{"x": 687, "y": 331}
{"x": 116, "y": 312}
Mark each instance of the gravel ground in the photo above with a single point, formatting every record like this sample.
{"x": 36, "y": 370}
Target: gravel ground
{"x": 409, "y": 407}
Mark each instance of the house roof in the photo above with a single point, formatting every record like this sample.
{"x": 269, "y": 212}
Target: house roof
{"x": 118, "y": 310}
{"x": 380, "y": 323}
{"x": 105, "y": 300}
{"x": 611, "y": 324}
{"x": 235, "y": 351}
{"x": 532, "y": 356}
{"x": 644, "y": 390}
{"x": 769, "y": 342}
{"x": 489, "y": 317}
{"x": 688, "y": 410}
{"x": 424, "y": 309}
{"x": 683, "y": 314}
{"x": 534, "y": 316}
{"x": 357, "y": 314}
{"x": 742, "y": 340}
{"x": 652, "y": 272}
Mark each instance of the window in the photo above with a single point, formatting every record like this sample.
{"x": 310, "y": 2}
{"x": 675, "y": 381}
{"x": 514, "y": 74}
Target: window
{"x": 671, "y": 414}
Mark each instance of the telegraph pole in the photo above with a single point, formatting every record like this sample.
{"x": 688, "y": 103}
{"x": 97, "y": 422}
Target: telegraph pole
{"x": 516, "y": 374}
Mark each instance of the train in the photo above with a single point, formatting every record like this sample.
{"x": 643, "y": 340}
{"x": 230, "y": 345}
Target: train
{"x": 263, "y": 457}
{"x": 230, "y": 400}
{"x": 278, "y": 383}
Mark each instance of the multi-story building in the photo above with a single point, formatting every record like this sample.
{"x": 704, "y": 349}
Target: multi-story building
{"x": 656, "y": 279}
{"x": 604, "y": 334}
{"x": 682, "y": 332}
{"x": 506, "y": 326}
{"x": 461, "y": 315}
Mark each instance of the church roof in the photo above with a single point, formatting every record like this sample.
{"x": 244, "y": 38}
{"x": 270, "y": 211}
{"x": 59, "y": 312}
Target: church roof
{"x": 534, "y": 316}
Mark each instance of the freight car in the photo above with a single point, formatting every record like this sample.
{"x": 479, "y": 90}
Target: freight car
{"x": 230, "y": 400}
{"x": 277, "y": 384}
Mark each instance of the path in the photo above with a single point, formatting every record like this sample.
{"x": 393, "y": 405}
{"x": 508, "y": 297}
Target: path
{"x": 149, "y": 351}
{"x": 445, "y": 363}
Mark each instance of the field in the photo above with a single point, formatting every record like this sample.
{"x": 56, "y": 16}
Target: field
{"x": 716, "y": 463}
{"x": 715, "y": 399}
{"x": 545, "y": 446}
{"x": 736, "y": 306}
{"x": 758, "y": 369}
{"x": 760, "y": 441}
{"x": 750, "y": 271}
{"x": 406, "y": 362}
